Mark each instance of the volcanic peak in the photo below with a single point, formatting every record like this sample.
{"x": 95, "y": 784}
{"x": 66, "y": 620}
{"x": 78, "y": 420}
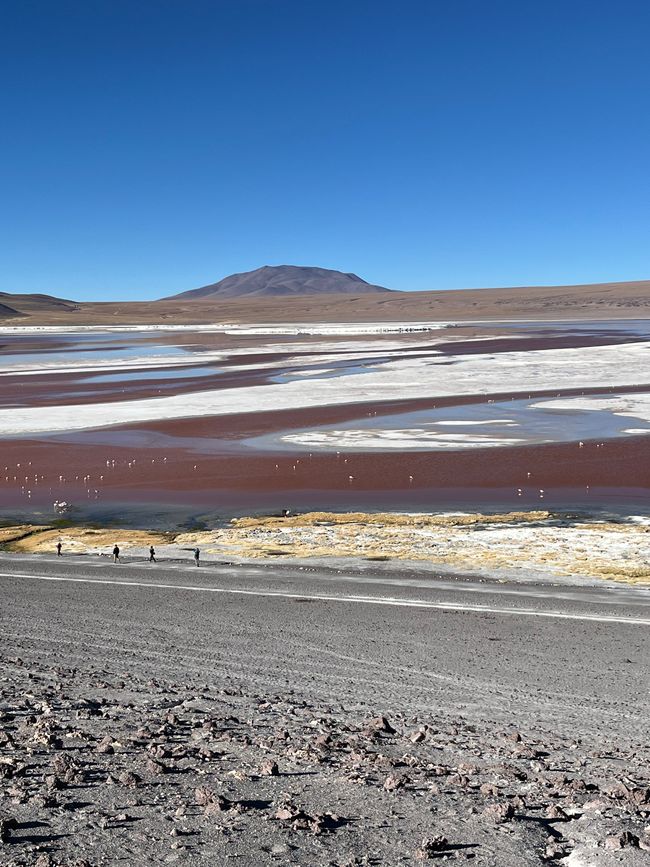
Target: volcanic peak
{"x": 278, "y": 280}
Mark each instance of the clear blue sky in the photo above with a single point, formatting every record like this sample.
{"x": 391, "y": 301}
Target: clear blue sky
{"x": 151, "y": 147}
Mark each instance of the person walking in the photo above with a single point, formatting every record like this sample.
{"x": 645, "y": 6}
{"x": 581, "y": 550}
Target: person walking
{"x": 197, "y": 554}
{"x": 116, "y": 554}
{"x": 58, "y": 549}
{"x": 152, "y": 555}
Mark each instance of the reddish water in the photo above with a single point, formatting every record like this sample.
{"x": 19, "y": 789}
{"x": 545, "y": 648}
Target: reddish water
{"x": 202, "y": 464}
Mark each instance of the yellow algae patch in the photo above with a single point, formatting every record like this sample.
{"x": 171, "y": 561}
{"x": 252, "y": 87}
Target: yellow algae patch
{"x": 627, "y": 574}
{"x": 84, "y": 540}
{"x": 523, "y": 544}
{"x": 612, "y": 527}
{"x": 20, "y": 531}
{"x": 391, "y": 519}
{"x": 520, "y": 542}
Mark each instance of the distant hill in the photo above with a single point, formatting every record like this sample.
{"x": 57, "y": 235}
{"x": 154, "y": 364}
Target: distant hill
{"x": 278, "y": 280}
{"x": 16, "y": 304}
{"x": 629, "y": 300}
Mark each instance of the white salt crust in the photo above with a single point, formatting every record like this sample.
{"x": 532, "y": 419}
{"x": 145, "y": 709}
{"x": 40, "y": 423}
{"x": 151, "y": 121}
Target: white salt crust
{"x": 403, "y": 379}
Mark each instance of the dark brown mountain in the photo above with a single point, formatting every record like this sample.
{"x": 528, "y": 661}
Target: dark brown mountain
{"x": 16, "y": 304}
{"x": 278, "y": 280}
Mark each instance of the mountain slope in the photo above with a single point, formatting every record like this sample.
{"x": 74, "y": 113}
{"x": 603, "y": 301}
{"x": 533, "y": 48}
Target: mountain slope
{"x": 277, "y": 280}
{"x": 16, "y": 304}
{"x": 7, "y": 312}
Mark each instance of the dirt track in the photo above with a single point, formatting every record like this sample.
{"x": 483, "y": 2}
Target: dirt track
{"x": 143, "y": 718}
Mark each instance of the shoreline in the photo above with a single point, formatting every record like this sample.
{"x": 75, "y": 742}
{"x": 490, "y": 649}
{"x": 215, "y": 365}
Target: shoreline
{"x": 531, "y": 545}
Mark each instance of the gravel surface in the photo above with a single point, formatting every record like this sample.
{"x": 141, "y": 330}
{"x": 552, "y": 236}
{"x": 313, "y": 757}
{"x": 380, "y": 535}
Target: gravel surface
{"x": 191, "y": 716}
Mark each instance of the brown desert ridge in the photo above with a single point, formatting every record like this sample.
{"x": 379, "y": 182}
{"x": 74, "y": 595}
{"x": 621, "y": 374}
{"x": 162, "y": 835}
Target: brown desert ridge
{"x": 292, "y": 294}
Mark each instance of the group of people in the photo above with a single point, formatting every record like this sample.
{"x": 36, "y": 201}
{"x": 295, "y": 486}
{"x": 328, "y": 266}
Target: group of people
{"x": 152, "y": 555}
{"x": 116, "y": 553}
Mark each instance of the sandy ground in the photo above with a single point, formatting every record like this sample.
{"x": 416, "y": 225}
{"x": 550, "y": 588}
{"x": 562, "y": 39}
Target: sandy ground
{"x": 147, "y": 720}
{"x": 511, "y": 545}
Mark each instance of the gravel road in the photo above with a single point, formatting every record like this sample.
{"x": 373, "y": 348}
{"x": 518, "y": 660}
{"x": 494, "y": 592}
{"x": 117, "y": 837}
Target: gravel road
{"x": 268, "y": 714}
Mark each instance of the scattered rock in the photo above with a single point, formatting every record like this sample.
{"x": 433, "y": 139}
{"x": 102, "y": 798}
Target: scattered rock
{"x": 203, "y": 796}
{"x": 555, "y": 850}
{"x": 378, "y": 725}
{"x": 499, "y": 813}
{"x": 105, "y": 746}
{"x": 155, "y": 767}
{"x": 393, "y": 782}
{"x": 129, "y": 779}
{"x": 190, "y": 749}
{"x": 556, "y": 812}
{"x": 219, "y": 804}
{"x": 430, "y": 847}
{"x": 624, "y": 840}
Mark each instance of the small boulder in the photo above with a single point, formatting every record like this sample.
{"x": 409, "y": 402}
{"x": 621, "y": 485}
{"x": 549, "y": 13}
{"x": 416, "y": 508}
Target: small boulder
{"x": 203, "y": 796}
{"x": 393, "y": 783}
{"x": 431, "y": 847}
{"x": 155, "y": 767}
{"x": 554, "y": 811}
{"x": 105, "y": 746}
{"x": 499, "y": 813}
{"x": 218, "y": 804}
{"x": 128, "y": 779}
{"x": 624, "y": 840}
{"x": 378, "y": 725}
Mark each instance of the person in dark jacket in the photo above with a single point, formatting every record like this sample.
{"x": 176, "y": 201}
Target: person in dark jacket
{"x": 197, "y": 554}
{"x": 58, "y": 549}
{"x": 152, "y": 555}
{"x": 116, "y": 554}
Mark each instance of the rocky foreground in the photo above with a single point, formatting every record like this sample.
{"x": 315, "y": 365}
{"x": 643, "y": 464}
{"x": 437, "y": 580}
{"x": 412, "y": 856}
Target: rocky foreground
{"x": 102, "y": 766}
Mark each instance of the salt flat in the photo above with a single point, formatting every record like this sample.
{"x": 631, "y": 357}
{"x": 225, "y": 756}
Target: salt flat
{"x": 410, "y": 379}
